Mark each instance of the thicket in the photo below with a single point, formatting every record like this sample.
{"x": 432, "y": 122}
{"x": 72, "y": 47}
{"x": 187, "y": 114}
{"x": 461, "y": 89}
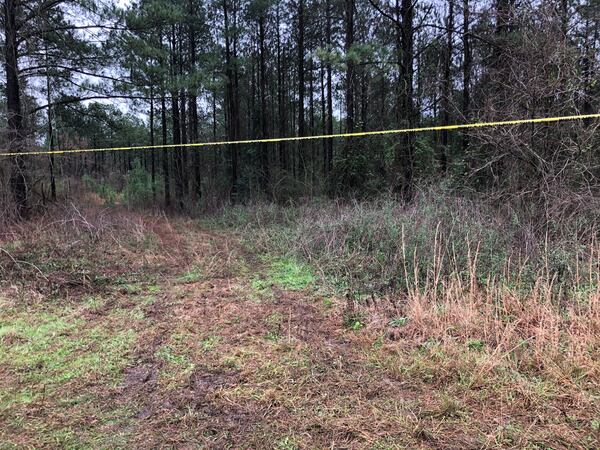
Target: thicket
{"x": 386, "y": 246}
{"x": 135, "y": 189}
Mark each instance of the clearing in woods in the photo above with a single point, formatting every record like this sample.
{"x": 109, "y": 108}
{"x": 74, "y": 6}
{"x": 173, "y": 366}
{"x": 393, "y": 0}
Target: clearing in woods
{"x": 160, "y": 333}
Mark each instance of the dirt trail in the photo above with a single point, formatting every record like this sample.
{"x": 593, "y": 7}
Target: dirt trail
{"x": 252, "y": 369}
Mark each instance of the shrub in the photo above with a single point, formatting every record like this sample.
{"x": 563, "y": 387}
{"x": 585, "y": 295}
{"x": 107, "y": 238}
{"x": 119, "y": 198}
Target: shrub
{"x": 386, "y": 246}
{"x": 138, "y": 186}
{"x": 104, "y": 190}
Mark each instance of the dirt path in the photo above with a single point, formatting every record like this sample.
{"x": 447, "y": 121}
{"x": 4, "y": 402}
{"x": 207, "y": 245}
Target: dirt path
{"x": 229, "y": 359}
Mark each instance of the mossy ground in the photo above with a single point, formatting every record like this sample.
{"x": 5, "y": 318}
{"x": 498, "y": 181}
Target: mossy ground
{"x": 195, "y": 342}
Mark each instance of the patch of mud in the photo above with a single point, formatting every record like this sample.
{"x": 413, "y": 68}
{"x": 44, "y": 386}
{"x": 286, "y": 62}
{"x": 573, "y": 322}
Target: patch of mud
{"x": 12, "y": 338}
{"x": 202, "y": 383}
{"x": 155, "y": 310}
{"x": 140, "y": 383}
{"x": 140, "y": 375}
{"x": 201, "y": 392}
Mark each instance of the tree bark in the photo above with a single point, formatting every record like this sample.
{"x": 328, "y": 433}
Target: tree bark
{"x": 232, "y": 102}
{"x": 152, "y": 143}
{"x": 18, "y": 176}
{"x": 183, "y": 125}
{"x": 329, "y": 152}
{"x": 50, "y": 133}
{"x": 165, "y": 152}
{"x": 281, "y": 109}
{"x": 193, "y": 108}
{"x": 184, "y": 168}
{"x": 264, "y": 148}
{"x": 301, "y": 93}
{"x": 404, "y": 156}
{"x": 350, "y": 81}
{"x": 348, "y": 174}
{"x": 446, "y": 88}
{"x": 467, "y": 63}
{"x": 176, "y": 131}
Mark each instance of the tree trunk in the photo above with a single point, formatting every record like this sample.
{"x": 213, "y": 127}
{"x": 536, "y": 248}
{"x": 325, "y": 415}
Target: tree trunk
{"x": 404, "y": 157}
{"x": 329, "y": 152}
{"x": 231, "y": 110}
{"x": 50, "y": 132}
{"x": 447, "y": 88}
{"x": 364, "y": 101}
{"x": 214, "y": 128}
{"x": 466, "y": 93}
{"x": 323, "y": 116}
{"x": 18, "y": 178}
{"x": 301, "y": 131}
{"x": 282, "y": 110}
{"x": 350, "y": 68}
{"x": 184, "y": 150}
{"x": 176, "y": 124}
{"x": 311, "y": 121}
{"x": 350, "y": 81}
{"x": 152, "y": 143}
{"x": 183, "y": 165}
{"x": 193, "y": 109}
{"x": 165, "y": 152}
{"x": 264, "y": 148}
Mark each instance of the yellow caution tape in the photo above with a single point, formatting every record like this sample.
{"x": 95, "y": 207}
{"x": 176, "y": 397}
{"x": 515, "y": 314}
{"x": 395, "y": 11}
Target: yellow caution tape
{"x": 306, "y": 138}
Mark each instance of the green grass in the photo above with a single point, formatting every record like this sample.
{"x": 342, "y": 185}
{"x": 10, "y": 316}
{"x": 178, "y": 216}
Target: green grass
{"x": 193, "y": 275}
{"x": 398, "y": 322}
{"x": 354, "y": 321}
{"x": 47, "y": 350}
{"x": 178, "y": 364}
{"x": 286, "y": 443}
{"x": 286, "y": 273}
{"x": 169, "y": 354}
{"x": 55, "y": 358}
{"x": 209, "y": 343}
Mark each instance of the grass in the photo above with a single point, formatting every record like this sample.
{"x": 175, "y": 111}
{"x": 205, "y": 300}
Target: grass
{"x": 398, "y": 322}
{"x": 48, "y": 350}
{"x": 285, "y": 273}
{"x": 468, "y": 306}
{"x": 210, "y": 343}
{"x": 385, "y": 247}
{"x": 172, "y": 348}
{"x": 191, "y": 276}
{"x": 48, "y": 359}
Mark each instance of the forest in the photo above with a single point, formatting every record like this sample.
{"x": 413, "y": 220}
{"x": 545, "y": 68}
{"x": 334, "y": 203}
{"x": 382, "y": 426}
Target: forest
{"x": 93, "y": 74}
{"x": 215, "y": 231}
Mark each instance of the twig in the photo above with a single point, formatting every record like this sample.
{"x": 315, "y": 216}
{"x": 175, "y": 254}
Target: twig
{"x": 24, "y": 262}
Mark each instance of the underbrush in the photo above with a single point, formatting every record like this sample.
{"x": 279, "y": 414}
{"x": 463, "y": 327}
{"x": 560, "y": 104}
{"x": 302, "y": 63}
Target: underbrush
{"x": 73, "y": 248}
{"x": 385, "y": 247}
{"x": 134, "y": 190}
{"x": 465, "y": 328}
{"x": 499, "y": 300}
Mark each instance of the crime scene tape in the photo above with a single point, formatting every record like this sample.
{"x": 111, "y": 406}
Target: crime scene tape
{"x": 307, "y": 138}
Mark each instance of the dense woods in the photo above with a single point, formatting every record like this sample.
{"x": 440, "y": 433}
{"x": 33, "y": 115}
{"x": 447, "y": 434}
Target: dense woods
{"x": 88, "y": 74}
